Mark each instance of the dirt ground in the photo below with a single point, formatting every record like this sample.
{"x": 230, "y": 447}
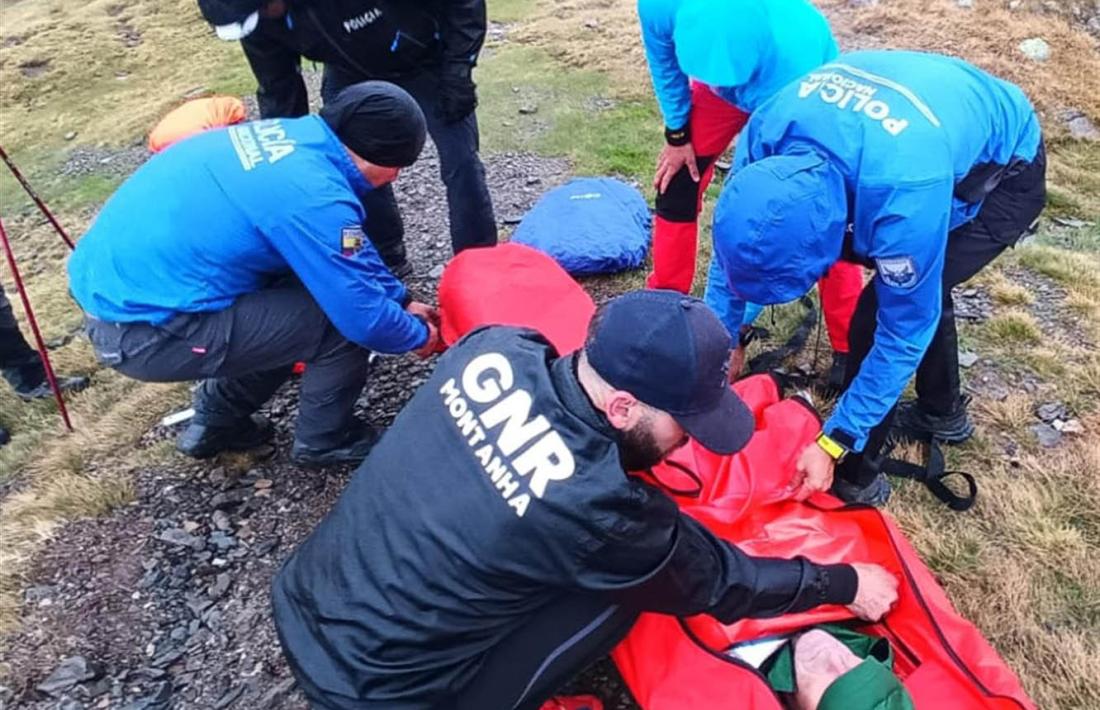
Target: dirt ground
{"x": 140, "y": 580}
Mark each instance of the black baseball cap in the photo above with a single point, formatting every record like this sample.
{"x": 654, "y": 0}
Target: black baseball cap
{"x": 672, "y": 353}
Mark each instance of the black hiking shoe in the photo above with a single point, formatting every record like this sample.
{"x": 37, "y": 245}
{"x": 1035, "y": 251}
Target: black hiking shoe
{"x": 200, "y": 442}
{"x": 876, "y": 493}
{"x": 834, "y": 382}
{"x": 5, "y": 436}
{"x": 351, "y": 453}
{"x": 42, "y": 389}
{"x": 913, "y": 421}
{"x": 402, "y": 270}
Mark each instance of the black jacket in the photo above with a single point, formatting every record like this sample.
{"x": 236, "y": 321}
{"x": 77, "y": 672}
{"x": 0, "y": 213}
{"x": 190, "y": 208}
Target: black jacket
{"x": 368, "y": 39}
{"x": 497, "y": 489}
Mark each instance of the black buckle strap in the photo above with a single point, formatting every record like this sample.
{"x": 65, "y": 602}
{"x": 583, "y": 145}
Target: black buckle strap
{"x": 932, "y": 473}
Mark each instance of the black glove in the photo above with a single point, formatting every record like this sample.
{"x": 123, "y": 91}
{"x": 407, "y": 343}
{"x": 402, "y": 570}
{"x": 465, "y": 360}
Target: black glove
{"x": 457, "y": 93}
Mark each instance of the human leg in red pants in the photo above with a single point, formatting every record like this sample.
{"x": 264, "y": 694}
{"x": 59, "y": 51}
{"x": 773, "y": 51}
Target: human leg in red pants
{"x": 839, "y": 289}
{"x": 714, "y": 123}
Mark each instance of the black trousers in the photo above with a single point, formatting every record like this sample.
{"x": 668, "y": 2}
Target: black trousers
{"x": 19, "y": 362}
{"x": 526, "y": 668}
{"x": 469, "y": 207}
{"x": 1008, "y": 213}
{"x": 246, "y": 352}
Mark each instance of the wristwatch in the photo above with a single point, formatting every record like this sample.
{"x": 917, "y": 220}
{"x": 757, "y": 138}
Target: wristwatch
{"x": 678, "y": 136}
{"x": 832, "y": 447}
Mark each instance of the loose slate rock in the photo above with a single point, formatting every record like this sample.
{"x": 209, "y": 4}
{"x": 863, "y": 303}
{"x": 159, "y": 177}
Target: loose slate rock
{"x": 69, "y": 672}
{"x": 180, "y": 538}
{"x": 967, "y": 359}
{"x": 1050, "y": 411}
{"x": 1047, "y": 435}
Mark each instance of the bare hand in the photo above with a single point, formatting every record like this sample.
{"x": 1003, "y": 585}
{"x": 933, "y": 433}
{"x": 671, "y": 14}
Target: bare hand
{"x": 432, "y": 345}
{"x": 670, "y": 161}
{"x": 813, "y": 472}
{"x": 737, "y": 363}
{"x": 424, "y": 311}
{"x": 876, "y": 593}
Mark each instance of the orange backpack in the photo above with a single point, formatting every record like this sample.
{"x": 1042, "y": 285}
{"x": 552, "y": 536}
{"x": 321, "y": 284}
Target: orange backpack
{"x": 195, "y": 117}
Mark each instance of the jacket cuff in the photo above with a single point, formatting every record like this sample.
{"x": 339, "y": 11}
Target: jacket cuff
{"x": 837, "y": 584}
{"x": 842, "y": 436}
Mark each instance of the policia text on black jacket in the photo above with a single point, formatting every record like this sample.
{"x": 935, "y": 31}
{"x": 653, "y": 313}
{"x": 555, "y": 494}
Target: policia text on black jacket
{"x": 492, "y": 545}
{"x": 428, "y": 47}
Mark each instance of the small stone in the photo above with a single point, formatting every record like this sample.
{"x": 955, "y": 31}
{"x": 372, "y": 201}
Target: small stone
{"x": 221, "y": 521}
{"x": 153, "y": 701}
{"x": 1050, "y": 411}
{"x": 528, "y": 109}
{"x": 436, "y": 272}
{"x": 222, "y": 540}
{"x": 967, "y": 359}
{"x": 1083, "y": 129}
{"x": 220, "y": 586}
{"x": 198, "y": 605}
{"x": 190, "y": 526}
{"x": 1036, "y": 49}
{"x": 178, "y": 634}
{"x": 34, "y": 595}
{"x": 166, "y": 659}
{"x": 1047, "y": 435}
{"x": 179, "y": 538}
{"x": 592, "y": 24}
{"x": 532, "y": 181}
{"x": 1071, "y": 222}
{"x": 263, "y": 484}
{"x": 1072, "y": 426}
{"x": 70, "y": 135}
{"x": 966, "y": 4}
{"x": 70, "y": 672}
{"x": 228, "y": 499}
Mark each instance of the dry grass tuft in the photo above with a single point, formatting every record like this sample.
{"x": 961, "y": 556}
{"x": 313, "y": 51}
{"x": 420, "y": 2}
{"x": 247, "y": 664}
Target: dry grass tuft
{"x": 989, "y": 37}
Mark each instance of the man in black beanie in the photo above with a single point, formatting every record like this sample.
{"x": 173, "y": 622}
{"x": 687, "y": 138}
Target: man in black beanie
{"x": 428, "y": 47}
{"x": 238, "y": 252}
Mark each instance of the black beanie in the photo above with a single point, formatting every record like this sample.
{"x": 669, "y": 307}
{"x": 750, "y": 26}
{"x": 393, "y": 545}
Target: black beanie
{"x": 226, "y": 12}
{"x": 379, "y": 122}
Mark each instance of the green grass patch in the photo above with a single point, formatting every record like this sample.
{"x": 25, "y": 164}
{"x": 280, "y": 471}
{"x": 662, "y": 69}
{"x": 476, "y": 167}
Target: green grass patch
{"x": 530, "y": 102}
{"x": 1014, "y": 327}
{"x": 510, "y": 10}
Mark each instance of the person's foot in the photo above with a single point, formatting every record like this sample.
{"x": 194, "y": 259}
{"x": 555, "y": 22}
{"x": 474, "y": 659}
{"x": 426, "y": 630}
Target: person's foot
{"x": 914, "y": 420}
{"x": 573, "y": 702}
{"x": 42, "y": 390}
{"x": 5, "y": 436}
{"x": 402, "y": 270}
{"x": 200, "y": 442}
{"x": 350, "y": 453}
{"x": 875, "y": 493}
{"x": 835, "y": 379}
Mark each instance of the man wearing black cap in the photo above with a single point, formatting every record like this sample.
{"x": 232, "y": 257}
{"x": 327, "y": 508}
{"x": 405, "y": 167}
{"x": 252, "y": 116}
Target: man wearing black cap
{"x": 238, "y": 252}
{"x": 492, "y": 544}
{"x": 428, "y": 47}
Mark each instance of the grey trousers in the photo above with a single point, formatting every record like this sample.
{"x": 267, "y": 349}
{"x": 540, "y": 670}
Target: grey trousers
{"x": 246, "y": 352}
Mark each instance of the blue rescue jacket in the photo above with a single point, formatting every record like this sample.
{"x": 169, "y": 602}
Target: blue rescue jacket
{"x": 746, "y": 50}
{"x": 919, "y": 140}
{"x": 227, "y": 212}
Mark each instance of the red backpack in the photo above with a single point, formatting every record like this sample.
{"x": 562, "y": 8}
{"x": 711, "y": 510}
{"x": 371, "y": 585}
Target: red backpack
{"x": 675, "y": 664}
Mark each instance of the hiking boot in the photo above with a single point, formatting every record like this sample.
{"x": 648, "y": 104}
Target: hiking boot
{"x": 351, "y": 453}
{"x": 401, "y": 270}
{"x": 5, "y": 436}
{"x": 573, "y": 702}
{"x": 876, "y": 493}
{"x": 914, "y": 421}
{"x": 200, "y": 441}
{"x": 42, "y": 390}
{"x": 834, "y": 381}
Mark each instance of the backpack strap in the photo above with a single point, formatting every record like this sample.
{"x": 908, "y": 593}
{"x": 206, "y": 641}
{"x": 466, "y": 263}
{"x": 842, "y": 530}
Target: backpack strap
{"x": 931, "y": 473}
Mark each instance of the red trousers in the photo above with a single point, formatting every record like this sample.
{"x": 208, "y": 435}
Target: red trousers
{"x": 714, "y": 124}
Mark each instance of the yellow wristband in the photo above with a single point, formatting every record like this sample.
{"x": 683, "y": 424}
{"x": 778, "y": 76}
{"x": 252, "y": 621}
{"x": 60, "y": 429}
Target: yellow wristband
{"x": 831, "y": 447}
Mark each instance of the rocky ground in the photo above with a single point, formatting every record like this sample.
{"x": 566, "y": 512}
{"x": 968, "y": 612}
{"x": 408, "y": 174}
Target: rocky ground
{"x": 164, "y": 604}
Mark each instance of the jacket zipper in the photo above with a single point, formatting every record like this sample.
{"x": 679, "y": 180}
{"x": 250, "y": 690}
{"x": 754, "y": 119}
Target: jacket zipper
{"x": 730, "y": 660}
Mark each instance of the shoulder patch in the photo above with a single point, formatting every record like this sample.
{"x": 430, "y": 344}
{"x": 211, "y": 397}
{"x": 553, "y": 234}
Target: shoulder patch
{"x": 351, "y": 240}
{"x": 897, "y": 271}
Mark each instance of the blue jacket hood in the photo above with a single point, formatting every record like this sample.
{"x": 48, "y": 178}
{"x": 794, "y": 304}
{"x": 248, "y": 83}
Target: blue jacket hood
{"x": 779, "y": 225}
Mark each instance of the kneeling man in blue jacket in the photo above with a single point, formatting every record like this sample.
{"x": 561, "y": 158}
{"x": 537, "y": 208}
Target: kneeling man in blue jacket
{"x": 238, "y": 252}
{"x": 921, "y": 167}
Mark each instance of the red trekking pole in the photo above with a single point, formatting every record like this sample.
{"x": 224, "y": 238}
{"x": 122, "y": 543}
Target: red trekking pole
{"x": 37, "y": 201}
{"x": 34, "y": 323}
